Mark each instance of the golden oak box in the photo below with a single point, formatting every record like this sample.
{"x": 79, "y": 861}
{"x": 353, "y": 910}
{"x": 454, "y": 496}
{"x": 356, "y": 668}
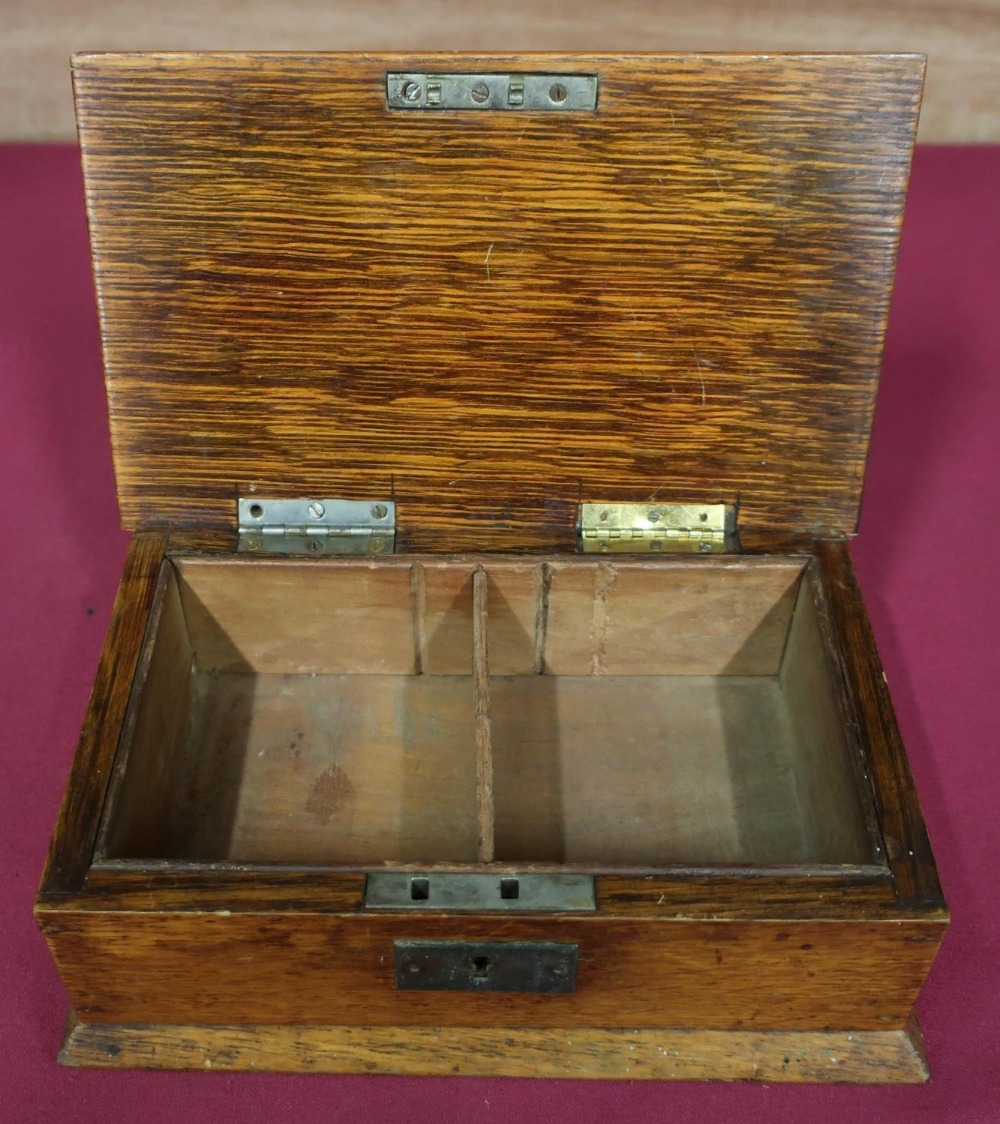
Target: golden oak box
{"x": 488, "y": 688}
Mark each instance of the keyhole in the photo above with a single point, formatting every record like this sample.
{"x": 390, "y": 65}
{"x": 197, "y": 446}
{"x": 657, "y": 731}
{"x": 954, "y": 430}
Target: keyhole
{"x": 481, "y": 966}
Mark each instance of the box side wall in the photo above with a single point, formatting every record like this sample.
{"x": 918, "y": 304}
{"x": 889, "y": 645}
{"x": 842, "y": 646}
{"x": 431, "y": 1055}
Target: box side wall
{"x": 75, "y": 835}
{"x": 897, "y": 806}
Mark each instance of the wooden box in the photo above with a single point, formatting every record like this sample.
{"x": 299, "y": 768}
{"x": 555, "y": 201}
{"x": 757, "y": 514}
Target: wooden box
{"x": 488, "y": 689}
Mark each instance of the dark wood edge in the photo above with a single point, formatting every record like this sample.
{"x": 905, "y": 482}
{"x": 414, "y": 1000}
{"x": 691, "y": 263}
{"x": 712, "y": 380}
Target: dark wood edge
{"x": 848, "y": 872}
{"x": 663, "y": 897}
{"x": 404, "y": 559}
{"x": 142, "y": 58}
{"x": 76, "y": 829}
{"x": 131, "y": 716}
{"x": 526, "y": 543}
{"x": 891, "y": 1056}
{"x": 848, "y": 715}
{"x": 907, "y": 846}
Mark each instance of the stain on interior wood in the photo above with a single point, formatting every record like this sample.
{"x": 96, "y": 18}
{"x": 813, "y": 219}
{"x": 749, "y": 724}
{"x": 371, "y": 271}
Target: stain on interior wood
{"x": 331, "y": 792}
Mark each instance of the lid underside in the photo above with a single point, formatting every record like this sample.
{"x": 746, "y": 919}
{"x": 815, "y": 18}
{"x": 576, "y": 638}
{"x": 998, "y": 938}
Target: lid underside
{"x": 490, "y": 316}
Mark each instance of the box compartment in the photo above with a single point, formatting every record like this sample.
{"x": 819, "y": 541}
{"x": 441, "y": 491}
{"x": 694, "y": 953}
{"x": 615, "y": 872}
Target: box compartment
{"x": 620, "y": 714}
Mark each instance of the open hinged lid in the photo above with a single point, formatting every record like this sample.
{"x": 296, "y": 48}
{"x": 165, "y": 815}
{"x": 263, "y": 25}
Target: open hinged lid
{"x": 491, "y": 287}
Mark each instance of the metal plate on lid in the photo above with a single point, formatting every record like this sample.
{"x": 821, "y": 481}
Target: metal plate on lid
{"x": 550, "y": 93}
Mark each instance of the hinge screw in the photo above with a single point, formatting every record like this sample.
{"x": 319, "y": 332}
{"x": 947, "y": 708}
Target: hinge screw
{"x": 314, "y": 545}
{"x": 317, "y": 510}
{"x": 379, "y": 511}
{"x": 480, "y": 92}
{"x": 411, "y": 91}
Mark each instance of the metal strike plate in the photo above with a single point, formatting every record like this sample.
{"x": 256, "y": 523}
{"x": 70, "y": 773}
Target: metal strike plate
{"x": 508, "y": 893}
{"x": 575, "y": 93}
{"x": 316, "y": 526}
{"x": 535, "y": 966}
{"x": 658, "y": 527}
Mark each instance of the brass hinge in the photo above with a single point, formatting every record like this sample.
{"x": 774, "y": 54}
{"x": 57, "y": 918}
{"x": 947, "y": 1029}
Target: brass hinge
{"x": 307, "y": 526}
{"x": 669, "y": 528}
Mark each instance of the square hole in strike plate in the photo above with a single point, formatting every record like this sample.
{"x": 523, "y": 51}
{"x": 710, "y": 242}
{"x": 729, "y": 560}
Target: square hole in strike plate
{"x": 481, "y": 966}
{"x": 420, "y": 889}
{"x": 509, "y": 889}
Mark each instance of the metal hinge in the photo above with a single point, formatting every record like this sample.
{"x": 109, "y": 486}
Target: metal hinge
{"x": 620, "y": 528}
{"x": 306, "y": 526}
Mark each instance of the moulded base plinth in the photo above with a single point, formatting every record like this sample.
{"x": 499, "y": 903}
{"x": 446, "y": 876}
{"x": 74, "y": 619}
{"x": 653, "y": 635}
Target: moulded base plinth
{"x": 843, "y": 1057}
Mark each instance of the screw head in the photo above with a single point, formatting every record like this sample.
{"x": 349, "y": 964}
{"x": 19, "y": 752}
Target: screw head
{"x": 379, "y": 511}
{"x": 654, "y": 516}
{"x": 480, "y": 92}
{"x": 705, "y": 547}
{"x": 558, "y": 92}
{"x": 317, "y": 510}
{"x": 314, "y": 545}
{"x": 411, "y": 91}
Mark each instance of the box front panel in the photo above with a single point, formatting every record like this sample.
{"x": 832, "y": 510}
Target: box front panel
{"x": 339, "y": 970}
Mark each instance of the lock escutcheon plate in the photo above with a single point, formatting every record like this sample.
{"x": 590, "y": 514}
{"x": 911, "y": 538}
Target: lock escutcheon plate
{"x": 526, "y": 966}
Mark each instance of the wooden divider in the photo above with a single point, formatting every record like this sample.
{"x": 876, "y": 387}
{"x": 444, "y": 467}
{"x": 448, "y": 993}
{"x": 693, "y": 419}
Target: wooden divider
{"x": 484, "y": 746}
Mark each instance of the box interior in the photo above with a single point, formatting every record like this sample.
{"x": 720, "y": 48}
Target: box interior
{"x": 607, "y": 713}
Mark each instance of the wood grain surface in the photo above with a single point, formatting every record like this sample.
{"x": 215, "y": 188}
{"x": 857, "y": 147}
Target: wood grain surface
{"x": 492, "y": 316}
{"x": 220, "y": 967}
{"x": 833, "y": 1057}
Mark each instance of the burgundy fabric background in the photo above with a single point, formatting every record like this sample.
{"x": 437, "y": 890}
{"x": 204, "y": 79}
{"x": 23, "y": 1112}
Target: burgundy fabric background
{"x": 927, "y": 554}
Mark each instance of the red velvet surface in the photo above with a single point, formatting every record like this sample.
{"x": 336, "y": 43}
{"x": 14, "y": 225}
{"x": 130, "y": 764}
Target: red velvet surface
{"x": 926, "y": 554}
